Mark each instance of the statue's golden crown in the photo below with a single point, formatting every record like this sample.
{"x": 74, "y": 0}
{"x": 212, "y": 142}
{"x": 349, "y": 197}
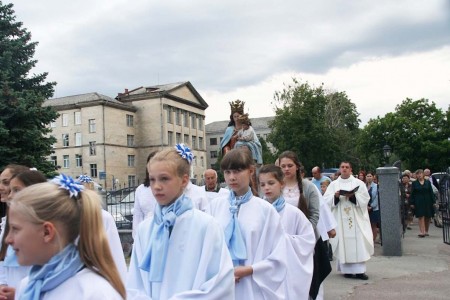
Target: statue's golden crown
{"x": 237, "y": 106}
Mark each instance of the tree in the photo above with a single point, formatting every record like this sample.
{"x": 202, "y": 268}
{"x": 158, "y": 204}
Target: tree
{"x": 417, "y": 132}
{"x": 24, "y": 132}
{"x": 268, "y": 157}
{"x": 319, "y": 125}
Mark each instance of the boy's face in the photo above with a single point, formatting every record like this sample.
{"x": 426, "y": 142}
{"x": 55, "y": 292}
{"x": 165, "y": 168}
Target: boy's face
{"x": 245, "y": 126}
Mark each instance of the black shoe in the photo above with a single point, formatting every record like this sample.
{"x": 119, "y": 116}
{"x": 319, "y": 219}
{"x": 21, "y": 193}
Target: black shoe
{"x": 362, "y": 276}
{"x": 348, "y": 275}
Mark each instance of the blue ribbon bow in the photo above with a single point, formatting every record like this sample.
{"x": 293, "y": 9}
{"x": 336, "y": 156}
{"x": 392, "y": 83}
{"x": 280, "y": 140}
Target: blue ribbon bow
{"x": 154, "y": 260}
{"x": 185, "y": 152}
{"x": 233, "y": 235}
{"x": 68, "y": 183}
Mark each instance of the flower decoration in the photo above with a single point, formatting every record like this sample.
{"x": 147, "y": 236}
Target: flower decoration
{"x": 185, "y": 152}
{"x": 84, "y": 179}
{"x": 68, "y": 183}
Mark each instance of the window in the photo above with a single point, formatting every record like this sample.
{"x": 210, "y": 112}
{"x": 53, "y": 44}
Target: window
{"x": 52, "y": 124}
{"x": 130, "y": 140}
{"x": 65, "y": 120}
{"x": 92, "y": 148}
{"x": 177, "y": 116}
{"x": 169, "y": 114}
{"x": 91, "y": 125}
{"x": 65, "y": 140}
{"x": 131, "y": 160}
{"x": 185, "y": 119}
{"x": 200, "y": 122}
{"x": 186, "y": 139}
{"x": 170, "y": 138}
{"x": 213, "y": 141}
{"x": 78, "y": 160}
{"x": 53, "y": 160}
{"x": 202, "y": 161}
{"x": 66, "y": 161}
{"x": 130, "y": 120}
{"x": 93, "y": 168}
{"x": 194, "y": 142}
{"x": 200, "y": 143}
{"x": 77, "y": 117}
{"x": 194, "y": 161}
{"x": 213, "y": 154}
{"x": 77, "y": 138}
{"x": 131, "y": 180}
{"x": 193, "y": 119}
{"x": 178, "y": 138}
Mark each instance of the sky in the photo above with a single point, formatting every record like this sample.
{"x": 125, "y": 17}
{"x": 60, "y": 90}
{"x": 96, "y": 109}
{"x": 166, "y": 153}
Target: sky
{"x": 378, "y": 52}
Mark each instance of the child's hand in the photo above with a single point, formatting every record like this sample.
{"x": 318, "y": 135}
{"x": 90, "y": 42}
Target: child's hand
{"x": 242, "y": 271}
{"x": 7, "y": 292}
{"x": 331, "y": 233}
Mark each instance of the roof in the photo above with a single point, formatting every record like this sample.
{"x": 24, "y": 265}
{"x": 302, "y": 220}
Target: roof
{"x": 220, "y": 126}
{"x": 85, "y": 100}
{"x": 164, "y": 90}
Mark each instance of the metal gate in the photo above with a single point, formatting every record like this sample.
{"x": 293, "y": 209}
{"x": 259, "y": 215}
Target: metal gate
{"x": 444, "y": 206}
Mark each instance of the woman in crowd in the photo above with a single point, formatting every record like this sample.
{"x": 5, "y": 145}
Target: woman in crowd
{"x": 253, "y": 232}
{"x": 422, "y": 201}
{"x": 373, "y": 206}
{"x": 56, "y": 227}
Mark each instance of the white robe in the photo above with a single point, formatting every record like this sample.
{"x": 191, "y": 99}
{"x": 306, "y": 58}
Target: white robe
{"x": 144, "y": 205}
{"x": 198, "y": 196}
{"x": 266, "y": 244}
{"x": 221, "y": 193}
{"x": 86, "y": 285}
{"x": 198, "y": 264}
{"x": 300, "y": 252}
{"x": 327, "y": 221}
{"x": 115, "y": 244}
{"x": 353, "y": 243}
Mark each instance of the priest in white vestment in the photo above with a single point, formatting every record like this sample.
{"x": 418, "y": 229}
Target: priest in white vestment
{"x": 353, "y": 244}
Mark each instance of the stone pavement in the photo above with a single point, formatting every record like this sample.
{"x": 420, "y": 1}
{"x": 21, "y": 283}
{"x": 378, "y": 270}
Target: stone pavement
{"x": 421, "y": 273}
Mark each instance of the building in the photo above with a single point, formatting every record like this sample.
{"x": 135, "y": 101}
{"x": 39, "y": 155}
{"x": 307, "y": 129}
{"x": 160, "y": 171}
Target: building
{"x": 215, "y": 131}
{"x": 110, "y": 139}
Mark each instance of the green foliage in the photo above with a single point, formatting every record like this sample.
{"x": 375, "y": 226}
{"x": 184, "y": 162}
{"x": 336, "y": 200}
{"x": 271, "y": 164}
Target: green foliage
{"x": 268, "y": 156}
{"x": 417, "y": 132}
{"x": 23, "y": 120}
{"x": 320, "y": 126}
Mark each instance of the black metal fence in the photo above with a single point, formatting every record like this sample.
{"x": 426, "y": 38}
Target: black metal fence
{"x": 120, "y": 204}
{"x": 444, "y": 206}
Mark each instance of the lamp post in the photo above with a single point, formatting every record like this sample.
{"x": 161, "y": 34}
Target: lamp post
{"x": 386, "y": 153}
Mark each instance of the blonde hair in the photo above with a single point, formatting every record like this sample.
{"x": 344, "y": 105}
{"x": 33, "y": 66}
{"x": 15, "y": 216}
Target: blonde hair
{"x": 79, "y": 217}
{"x": 171, "y": 157}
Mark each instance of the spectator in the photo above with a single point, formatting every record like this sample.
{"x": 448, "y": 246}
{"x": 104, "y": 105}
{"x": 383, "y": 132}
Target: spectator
{"x": 318, "y": 178}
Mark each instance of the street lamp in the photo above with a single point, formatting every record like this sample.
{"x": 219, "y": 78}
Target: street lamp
{"x": 386, "y": 153}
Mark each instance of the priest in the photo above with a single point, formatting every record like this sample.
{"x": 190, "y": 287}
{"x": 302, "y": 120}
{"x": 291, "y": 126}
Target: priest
{"x": 353, "y": 245}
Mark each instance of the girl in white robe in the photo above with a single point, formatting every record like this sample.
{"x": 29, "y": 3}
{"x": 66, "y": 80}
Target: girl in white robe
{"x": 253, "y": 232}
{"x": 298, "y": 230}
{"x": 179, "y": 252}
{"x": 56, "y": 227}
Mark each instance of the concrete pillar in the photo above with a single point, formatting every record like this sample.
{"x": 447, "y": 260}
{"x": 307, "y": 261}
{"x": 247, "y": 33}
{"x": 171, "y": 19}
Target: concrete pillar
{"x": 389, "y": 200}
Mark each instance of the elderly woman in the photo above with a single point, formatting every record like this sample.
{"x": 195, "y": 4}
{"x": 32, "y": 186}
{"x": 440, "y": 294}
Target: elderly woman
{"x": 422, "y": 200}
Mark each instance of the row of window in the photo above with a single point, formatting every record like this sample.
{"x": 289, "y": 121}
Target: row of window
{"x": 91, "y": 122}
{"x": 192, "y": 142}
{"x": 182, "y": 117}
{"x": 79, "y": 161}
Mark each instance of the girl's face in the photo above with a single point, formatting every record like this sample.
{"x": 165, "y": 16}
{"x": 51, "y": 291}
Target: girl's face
{"x": 27, "y": 239}
{"x": 289, "y": 168}
{"x": 238, "y": 180}
{"x": 369, "y": 178}
{"x": 270, "y": 186}
{"x": 420, "y": 176}
{"x": 361, "y": 176}
{"x": 323, "y": 187}
{"x": 166, "y": 185}
{"x": 15, "y": 186}
{"x": 5, "y": 177}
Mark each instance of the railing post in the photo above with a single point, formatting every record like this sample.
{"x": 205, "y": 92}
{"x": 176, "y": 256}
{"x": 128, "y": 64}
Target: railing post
{"x": 391, "y": 225}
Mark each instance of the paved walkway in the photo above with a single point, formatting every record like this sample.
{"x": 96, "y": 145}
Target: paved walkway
{"x": 421, "y": 273}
